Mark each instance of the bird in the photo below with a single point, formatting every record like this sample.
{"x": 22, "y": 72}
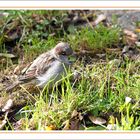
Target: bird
{"x": 47, "y": 67}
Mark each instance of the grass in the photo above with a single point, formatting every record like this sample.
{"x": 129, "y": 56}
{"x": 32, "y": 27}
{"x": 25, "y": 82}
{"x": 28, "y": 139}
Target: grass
{"x": 98, "y": 38}
{"x": 101, "y": 90}
{"x": 89, "y": 97}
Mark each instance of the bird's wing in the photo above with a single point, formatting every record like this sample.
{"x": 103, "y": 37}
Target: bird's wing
{"x": 38, "y": 67}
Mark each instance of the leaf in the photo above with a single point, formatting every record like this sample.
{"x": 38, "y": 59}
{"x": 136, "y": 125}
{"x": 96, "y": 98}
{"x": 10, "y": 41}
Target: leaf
{"x": 111, "y": 126}
{"x": 99, "y": 19}
{"x": 137, "y": 44}
{"x": 19, "y": 115}
{"x": 67, "y": 125}
{"x": 97, "y": 120}
{"x": 46, "y": 22}
{"x": 74, "y": 122}
{"x": 137, "y": 30}
{"x": 115, "y": 62}
{"x": 129, "y": 33}
{"x": 8, "y": 105}
{"x": 71, "y": 29}
{"x": 19, "y": 124}
{"x": 111, "y": 123}
{"x": 111, "y": 120}
{"x": 2, "y": 124}
{"x": 49, "y": 128}
{"x": 7, "y": 55}
{"x": 95, "y": 112}
{"x": 74, "y": 113}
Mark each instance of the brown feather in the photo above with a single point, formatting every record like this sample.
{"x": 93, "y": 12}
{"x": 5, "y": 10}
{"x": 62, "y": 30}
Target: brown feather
{"x": 38, "y": 67}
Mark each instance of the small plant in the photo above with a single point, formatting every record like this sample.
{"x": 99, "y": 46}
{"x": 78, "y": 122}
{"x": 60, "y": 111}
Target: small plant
{"x": 98, "y": 38}
{"x": 127, "y": 120}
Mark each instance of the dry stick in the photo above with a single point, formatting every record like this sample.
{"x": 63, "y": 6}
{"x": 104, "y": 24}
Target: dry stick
{"x": 88, "y": 20}
{"x": 5, "y": 26}
{"x": 29, "y": 94}
{"x": 4, "y": 121}
{"x": 23, "y": 34}
{"x": 23, "y": 20}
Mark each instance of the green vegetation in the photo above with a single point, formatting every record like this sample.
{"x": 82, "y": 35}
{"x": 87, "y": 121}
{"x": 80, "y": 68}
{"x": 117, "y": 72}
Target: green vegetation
{"x": 99, "y": 38}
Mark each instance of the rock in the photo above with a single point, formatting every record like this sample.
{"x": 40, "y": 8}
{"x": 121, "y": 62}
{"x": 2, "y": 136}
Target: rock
{"x": 131, "y": 53}
{"x": 124, "y": 18}
{"x": 115, "y": 62}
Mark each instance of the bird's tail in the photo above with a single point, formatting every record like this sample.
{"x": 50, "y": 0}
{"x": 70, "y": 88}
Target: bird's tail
{"x": 10, "y": 88}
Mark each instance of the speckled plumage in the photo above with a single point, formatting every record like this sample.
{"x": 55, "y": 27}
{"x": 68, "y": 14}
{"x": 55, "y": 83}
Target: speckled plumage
{"x": 49, "y": 66}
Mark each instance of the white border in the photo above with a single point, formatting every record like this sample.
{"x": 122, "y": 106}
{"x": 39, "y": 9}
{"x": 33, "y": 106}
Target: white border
{"x": 108, "y": 5}
{"x": 70, "y": 4}
{"x": 59, "y": 135}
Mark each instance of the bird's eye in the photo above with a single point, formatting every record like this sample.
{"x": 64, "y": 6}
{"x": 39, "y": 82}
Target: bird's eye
{"x": 63, "y": 53}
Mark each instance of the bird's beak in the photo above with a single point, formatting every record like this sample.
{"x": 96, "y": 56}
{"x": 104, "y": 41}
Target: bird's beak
{"x": 72, "y": 58}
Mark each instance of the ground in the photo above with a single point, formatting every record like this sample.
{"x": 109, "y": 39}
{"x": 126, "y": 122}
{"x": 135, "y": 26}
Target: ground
{"x": 102, "y": 88}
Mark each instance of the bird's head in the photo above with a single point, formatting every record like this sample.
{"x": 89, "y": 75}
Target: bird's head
{"x": 62, "y": 51}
